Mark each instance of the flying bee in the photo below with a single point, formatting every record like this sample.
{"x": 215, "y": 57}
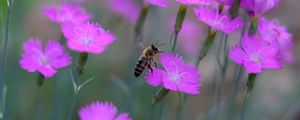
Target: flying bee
{"x": 146, "y": 59}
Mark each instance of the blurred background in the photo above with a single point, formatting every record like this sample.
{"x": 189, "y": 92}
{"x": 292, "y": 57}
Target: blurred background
{"x": 275, "y": 96}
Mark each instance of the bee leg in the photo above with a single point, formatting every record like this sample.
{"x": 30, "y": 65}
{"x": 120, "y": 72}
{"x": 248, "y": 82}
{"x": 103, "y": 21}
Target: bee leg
{"x": 154, "y": 63}
{"x": 149, "y": 66}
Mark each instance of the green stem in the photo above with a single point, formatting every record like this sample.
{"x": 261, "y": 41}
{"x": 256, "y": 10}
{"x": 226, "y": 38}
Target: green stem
{"x": 141, "y": 21}
{"x": 207, "y": 44}
{"x": 253, "y": 25}
{"x": 82, "y": 62}
{"x": 250, "y": 85}
{"x": 40, "y": 82}
{"x": 234, "y": 9}
{"x": 178, "y": 24}
{"x": 4, "y": 61}
{"x": 160, "y": 94}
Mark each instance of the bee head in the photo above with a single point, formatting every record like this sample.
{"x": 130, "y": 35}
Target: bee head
{"x": 155, "y": 48}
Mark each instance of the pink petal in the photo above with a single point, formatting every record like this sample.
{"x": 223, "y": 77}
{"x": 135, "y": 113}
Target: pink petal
{"x": 47, "y": 71}
{"x": 155, "y": 78}
{"x": 123, "y": 116}
{"x": 252, "y": 67}
{"x": 32, "y": 52}
{"x": 237, "y": 54}
{"x": 271, "y": 64}
{"x": 56, "y": 55}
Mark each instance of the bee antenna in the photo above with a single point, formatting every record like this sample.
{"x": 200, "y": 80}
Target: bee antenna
{"x": 161, "y": 44}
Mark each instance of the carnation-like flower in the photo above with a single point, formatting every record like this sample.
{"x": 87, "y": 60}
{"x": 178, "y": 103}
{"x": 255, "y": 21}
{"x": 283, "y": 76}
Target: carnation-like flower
{"x": 159, "y": 3}
{"x": 66, "y": 13}
{"x": 45, "y": 61}
{"x": 189, "y": 37}
{"x": 101, "y": 111}
{"x": 277, "y": 35}
{"x": 176, "y": 76}
{"x": 259, "y": 7}
{"x": 195, "y": 2}
{"x": 125, "y": 8}
{"x": 255, "y": 55}
{"x": 87, "y": 37}
{"x": 218, "y": 21}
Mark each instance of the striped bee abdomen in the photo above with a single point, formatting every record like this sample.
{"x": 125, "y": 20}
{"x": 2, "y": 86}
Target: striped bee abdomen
{"x": 140, "y": 66}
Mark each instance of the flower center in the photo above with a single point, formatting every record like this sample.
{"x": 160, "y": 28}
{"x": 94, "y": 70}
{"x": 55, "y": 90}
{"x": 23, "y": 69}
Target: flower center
{"x": 255, "y": 58}
{"x": 174, "y": 76}
{"x": 86, "y": 40}
{"x": 43, "y": 59}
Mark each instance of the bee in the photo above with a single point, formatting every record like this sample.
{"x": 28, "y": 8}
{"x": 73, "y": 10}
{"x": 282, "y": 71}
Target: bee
{"x": 146, "y": 60}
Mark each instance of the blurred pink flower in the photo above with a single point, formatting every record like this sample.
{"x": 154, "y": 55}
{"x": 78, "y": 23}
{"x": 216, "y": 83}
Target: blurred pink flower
{"x": 218, "y": 21}
{"x": 259, "y": 7}
{"x": 195, "y": 2}
{"x": 190, "y": 37}
{"x": 255, "y": 55}
{"x": 125, "y": 8}
{"x": 101, "y": 111}
{"x": 177, "y": 75}
{"x": 277, "y": 35}
{"x": 87, "y": 37}
{"x": 35, "y": 59}
{"x": 225, "y": 2}
{"x": 66, "y": 13}
{"x": 159, "y": 3}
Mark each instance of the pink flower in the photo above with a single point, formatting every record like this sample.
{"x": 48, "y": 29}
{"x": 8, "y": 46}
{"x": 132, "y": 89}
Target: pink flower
{"x": 195, "y": 2}
{"x": 159, "y": 3}
{"x": 225, "y": 2}
{"x": 45, "y": 61}
{"x": 255, "y": 55}
{"x": 275, "y": 34}
{"x": 66, "y": 13}
{"x": 190, "y": 37}
{"x": 87, "y": 37}
{"x": 259, "y": 7}
{"x": 101, "y": 111}
{"x": 218, "y": 21}
{"x": 125, "y": 8}
{"x": 177, "y": 75}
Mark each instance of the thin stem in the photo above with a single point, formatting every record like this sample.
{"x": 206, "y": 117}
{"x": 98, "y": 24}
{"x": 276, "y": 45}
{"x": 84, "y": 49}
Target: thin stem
{"x": 80, "y": 69}
{"x": 40, "y": 82}
{"x": 178, "y": 24}
{"x": 250, "y": 85}
{"x": 253, "y": 26}
{"x": 4, "y": 60}
{"x": 207, "y": 44}
{"x": 234, "y": 10}
{"x": 140, "y": 23}
{"x": 160, "y": 94}
{"x": 81, "y": 63}
{"x": 74, "y": 99}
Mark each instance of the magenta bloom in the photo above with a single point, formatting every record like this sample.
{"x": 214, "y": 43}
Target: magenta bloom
{"x": 101, "y": 111}
{"x": 195, "y": 2}
{"x": 255, "y": 55}
{"x": 87, "y": 37}
{"x": 125, "y": 8}
{"x": 275, "y": 34}
{"x": 176, "y": 76}
{"x": 225, "y": 2}
{"x": 45, "y": 61}
{"x": 159, "y": 3}
{"x": 66, "y": 13}
{"x": 218, "y": 21}
{"x": 189, "y": 37}
{"x": 259, "y": 7}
